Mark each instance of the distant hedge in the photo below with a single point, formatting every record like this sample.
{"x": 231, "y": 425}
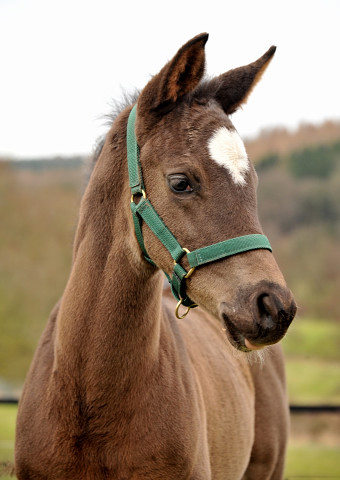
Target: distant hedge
{"x": 319, "y": 161}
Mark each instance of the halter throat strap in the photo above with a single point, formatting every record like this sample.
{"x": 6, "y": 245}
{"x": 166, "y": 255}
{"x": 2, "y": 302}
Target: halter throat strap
{"x": 143, "y": 211}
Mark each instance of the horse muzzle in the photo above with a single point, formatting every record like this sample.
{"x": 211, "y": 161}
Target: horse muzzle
{"x": 260, "y": 316}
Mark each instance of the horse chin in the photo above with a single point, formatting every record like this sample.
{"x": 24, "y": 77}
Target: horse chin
{"x": 234, "y": 336}
{"x": 240, "y": 341}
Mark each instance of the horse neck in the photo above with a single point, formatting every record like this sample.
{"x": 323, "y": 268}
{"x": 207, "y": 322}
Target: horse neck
{"x": 109, "y": 320}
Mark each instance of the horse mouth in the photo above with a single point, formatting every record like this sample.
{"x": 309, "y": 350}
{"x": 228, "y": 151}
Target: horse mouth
{"x": 235, "y": 337}
{"x": 248, "y": 342}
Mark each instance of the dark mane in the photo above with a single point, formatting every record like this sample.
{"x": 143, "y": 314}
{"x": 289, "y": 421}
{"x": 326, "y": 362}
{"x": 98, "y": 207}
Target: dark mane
{"x": 117, "y": 106}
{"x": 201, "y": 93}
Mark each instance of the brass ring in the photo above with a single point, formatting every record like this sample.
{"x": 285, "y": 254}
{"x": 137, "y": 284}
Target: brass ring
{"x": 177, "y": 310}
{"x": 191, "y": 271}
{"x": 143, "y": 193}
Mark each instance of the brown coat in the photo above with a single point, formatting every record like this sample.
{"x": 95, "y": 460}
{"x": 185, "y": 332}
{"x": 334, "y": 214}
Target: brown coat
{"x": 119, "y": 388}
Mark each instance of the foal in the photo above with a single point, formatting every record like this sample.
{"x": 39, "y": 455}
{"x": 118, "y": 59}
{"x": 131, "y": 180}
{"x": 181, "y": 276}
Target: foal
{"x": 119, "y": 388}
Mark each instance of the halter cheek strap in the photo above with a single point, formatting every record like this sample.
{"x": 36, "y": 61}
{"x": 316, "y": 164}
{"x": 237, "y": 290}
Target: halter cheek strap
{"x": 143, "y": 211}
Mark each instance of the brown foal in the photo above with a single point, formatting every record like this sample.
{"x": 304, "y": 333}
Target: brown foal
{"x": 121, "y": 389}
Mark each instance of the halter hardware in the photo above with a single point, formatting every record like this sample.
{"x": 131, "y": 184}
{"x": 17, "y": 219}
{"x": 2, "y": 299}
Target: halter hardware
{"x": 191, "y": 271}
{"x": 143, "y": 195}
{"x": 186, "y": 311}
{"x": 144, "y": 211}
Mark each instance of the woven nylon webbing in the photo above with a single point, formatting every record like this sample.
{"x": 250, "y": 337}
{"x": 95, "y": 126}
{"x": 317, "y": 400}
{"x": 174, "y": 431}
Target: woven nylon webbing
{"x": 227, "y": 248}
{"x": 156, "y": 224}
{"x": 135, "y": 171}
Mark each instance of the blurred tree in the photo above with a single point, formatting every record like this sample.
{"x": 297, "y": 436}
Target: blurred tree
{"x": 319, "y": 161}
{"x": 267, "y": 161}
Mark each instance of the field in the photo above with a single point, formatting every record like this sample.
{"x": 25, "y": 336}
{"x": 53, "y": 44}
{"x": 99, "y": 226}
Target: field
{"x": 313, "y": 366}
{"x": 312, "y": 349}
{"x": 7, "y": 426}
{"x": 312, "y": 461}
{"x": 299, "y": 206}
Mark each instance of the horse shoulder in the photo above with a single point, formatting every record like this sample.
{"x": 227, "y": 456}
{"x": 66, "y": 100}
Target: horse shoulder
{"x": 32, "y": 430}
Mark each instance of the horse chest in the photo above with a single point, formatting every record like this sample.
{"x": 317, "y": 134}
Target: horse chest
{"x": 227, "y": 405}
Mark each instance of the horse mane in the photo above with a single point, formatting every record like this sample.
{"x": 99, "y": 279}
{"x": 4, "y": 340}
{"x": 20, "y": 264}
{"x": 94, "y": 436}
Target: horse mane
{"x": 202, "y": 92}
{"x": 117, "y": 106}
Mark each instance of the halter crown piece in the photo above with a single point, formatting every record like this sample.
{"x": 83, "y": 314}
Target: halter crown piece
{"x": 144, "y": 211}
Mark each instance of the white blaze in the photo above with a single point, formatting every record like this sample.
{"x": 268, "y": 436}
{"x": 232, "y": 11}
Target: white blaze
{"x": 227, "y": 149}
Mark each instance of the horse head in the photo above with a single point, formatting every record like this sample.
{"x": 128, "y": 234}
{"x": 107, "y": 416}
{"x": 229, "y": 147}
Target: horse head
{"x": 199, "y": 179}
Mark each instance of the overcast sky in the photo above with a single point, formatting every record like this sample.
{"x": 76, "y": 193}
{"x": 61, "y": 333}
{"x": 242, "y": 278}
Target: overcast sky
{"x": 63, "y": 61}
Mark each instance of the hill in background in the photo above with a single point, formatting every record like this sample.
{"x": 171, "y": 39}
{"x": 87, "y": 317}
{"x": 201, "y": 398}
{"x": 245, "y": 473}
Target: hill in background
{"x": 299, "y": 204}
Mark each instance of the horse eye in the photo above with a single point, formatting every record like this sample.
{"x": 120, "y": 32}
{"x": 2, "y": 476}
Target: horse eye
{"x": 179, "y": 183}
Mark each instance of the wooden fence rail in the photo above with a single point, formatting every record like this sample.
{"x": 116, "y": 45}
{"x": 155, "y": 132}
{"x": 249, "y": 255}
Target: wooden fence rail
{"x": 293, "y": 408}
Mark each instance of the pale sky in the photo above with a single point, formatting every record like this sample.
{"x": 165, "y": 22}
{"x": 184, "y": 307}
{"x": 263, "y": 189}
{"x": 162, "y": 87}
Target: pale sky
{"x": 63, "y": 61}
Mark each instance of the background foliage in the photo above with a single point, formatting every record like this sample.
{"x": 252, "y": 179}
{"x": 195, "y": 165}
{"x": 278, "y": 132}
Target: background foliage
{"x": 299, "y": 204}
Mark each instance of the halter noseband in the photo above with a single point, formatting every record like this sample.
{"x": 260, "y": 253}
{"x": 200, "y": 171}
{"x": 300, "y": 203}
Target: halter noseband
{"x": 144, "y": 211}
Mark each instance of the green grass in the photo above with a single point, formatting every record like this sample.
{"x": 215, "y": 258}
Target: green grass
{"x": 7, "y": 429}
{"x": 311, "y": 338}
{"x": 312, "y": 349}
{"x": 312, "y": 461}
{"x": 312, "y": 382}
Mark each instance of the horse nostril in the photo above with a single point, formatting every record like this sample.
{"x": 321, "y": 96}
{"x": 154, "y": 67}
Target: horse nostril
{"x": 267, "y": 311}
{"x": 275, "y": 311}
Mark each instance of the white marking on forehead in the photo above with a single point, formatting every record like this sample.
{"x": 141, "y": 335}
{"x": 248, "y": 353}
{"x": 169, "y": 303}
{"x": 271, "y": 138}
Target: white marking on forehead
{"x": 227, "y": 149}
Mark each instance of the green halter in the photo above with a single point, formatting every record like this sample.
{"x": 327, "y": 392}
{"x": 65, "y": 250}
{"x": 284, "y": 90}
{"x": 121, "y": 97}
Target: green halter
{"x": 144, "y": 211}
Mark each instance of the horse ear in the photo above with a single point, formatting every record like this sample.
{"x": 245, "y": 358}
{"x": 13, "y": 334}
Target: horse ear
{"x": 177, "y": 78}
{"x": 233, "y": 88}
